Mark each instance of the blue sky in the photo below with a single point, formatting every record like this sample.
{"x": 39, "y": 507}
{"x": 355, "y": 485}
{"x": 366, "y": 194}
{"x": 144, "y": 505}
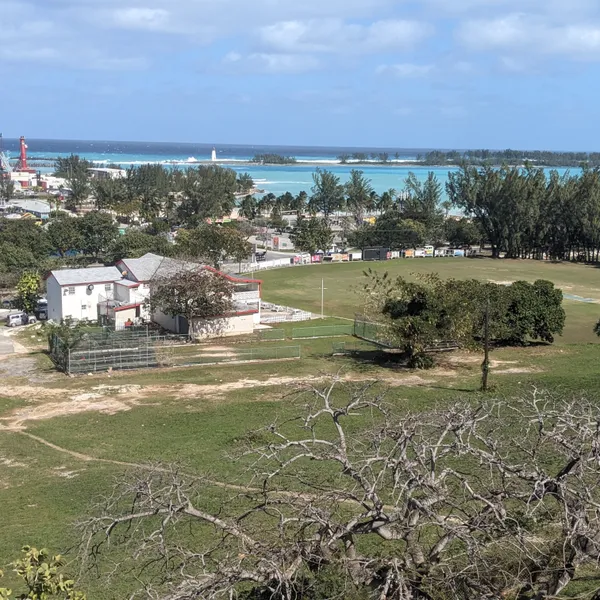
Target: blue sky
{"x": 395, "y": 73}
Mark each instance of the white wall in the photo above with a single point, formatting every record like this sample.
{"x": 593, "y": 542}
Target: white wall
{"x": 129, "y": 295}
{"x": 54, "y": 296}
{"x": 222, "y": 327}
{"x": 83, "y": 304}
{"x": 121, "y": 317}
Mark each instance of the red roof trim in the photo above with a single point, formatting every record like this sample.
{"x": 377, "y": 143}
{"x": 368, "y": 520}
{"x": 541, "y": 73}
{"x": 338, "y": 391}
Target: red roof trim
{"x": 128, "y": 307}
{"x": 231, "y": 277}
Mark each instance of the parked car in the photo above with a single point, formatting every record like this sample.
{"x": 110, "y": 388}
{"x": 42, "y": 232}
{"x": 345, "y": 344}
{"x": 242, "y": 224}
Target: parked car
{"x": 16, "y": 319}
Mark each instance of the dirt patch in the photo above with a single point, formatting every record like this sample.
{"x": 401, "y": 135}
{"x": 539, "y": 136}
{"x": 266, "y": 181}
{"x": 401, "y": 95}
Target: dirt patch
{"x": 47, "y": 403}
{"x": 211, "y": 348}
{"x": 506, "y": 282}
{"x": 9, "y": 462}
{"x": 63, "y": 472}
{"x": 515, "y": 371}
{"x": 49, "y": 410}
{"x": 16, "y": 365}
{"x": 194, "y": 391}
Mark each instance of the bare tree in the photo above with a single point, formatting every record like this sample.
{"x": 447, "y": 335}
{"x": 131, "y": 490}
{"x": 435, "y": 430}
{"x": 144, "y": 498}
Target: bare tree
{"x": 498, "y": 500}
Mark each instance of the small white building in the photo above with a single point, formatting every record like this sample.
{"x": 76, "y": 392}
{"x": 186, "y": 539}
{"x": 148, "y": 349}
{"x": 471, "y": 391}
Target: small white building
{"x": 75, "y": 293}
{"x": 118, "y": 295}
{"x": 246, "y": 297}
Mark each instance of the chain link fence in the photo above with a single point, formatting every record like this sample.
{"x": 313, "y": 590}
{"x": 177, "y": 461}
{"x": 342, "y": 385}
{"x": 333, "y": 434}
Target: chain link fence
{"x": 99, "y": 352}
{"x": 322, "y": 331}
{"x": 271, "y": 335}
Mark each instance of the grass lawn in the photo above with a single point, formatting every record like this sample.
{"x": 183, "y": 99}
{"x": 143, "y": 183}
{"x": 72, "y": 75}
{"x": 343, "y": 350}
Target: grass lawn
{"x": 301, "y": 287}
{"x": 197, "y": 415}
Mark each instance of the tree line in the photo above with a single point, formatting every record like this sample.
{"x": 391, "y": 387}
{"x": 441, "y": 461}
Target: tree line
{"x": 273, "y": 159}
{"x": 152, "y": 191}
{"x": 509, "y": 157}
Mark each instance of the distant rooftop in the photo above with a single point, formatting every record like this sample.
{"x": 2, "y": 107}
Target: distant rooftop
{"x": 86, "y": 276}
{"x": 32, "y": 206}
{"x": 146, "y": 267}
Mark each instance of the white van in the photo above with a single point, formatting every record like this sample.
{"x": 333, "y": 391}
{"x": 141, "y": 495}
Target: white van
{"x": 16, "y": 319}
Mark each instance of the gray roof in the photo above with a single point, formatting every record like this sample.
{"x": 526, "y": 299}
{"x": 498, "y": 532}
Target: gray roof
{"x": 86, "y": 276}
{"x": 143, "y": 268}
{"x": 32, "y": 206}
{"x": 149, "y": 265}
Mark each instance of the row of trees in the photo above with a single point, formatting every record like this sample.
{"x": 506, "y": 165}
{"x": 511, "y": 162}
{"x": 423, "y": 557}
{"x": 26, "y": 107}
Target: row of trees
{"x": 182, "y": 196}
{"x": 418, "y": 315}
{"x": 273, "y": 159}
{"x": 525, "y": 214}
{"x": 510, "y": 157}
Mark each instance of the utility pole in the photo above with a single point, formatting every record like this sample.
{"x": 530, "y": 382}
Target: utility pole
{"x": 485, "y": 365}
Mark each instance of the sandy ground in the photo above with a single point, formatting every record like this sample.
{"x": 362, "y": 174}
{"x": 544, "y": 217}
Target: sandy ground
{"x": 50, "y": 402}
{"x": 43, "y": 402}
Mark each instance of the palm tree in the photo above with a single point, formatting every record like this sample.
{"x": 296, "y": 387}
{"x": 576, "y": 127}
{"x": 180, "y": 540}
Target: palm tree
{"x": 386, "y": 201}
{"x": 248, "y": 208}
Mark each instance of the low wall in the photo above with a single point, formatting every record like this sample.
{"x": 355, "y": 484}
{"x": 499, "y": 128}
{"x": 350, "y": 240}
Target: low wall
{"x": 203, "y": 329}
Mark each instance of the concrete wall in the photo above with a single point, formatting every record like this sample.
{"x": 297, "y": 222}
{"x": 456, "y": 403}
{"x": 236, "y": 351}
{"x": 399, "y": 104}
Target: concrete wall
{"x": 203, "y": 329}
{"x": 82, "y": 304}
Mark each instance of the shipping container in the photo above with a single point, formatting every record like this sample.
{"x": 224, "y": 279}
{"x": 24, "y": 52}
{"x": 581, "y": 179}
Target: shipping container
{"x": 376, "y": 254}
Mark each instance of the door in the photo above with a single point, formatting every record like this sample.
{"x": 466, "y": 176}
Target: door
{"x": 182, "y": 325}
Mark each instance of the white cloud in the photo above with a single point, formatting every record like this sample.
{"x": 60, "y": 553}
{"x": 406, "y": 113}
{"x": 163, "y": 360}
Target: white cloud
{"x": 152, "y": 19}
{"x": 338, "y": 36}
{"x": 519, "y": 32}
{"x": 405, "y": 70}
{"x": 263, "y": 62}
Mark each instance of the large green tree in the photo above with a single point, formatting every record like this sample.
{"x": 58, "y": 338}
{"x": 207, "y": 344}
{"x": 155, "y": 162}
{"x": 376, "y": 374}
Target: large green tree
{"x": 327, "y": 194}
{"x": 207, "y": 192}
{"x": 134, "y": 244}
{"x": 358, "y": 194}
{"x": 312, "y": 234}
{"x": 98, "y": 231}
{"x": 29, "y": 289}
{"x": 64, "y": 234}
{"x": 214, "y": 244}
{"x": 192, "y": 292}
{"x": 76, "y": 171}
{"x": 25, "y": 234}
{"x": 7, "y": 188}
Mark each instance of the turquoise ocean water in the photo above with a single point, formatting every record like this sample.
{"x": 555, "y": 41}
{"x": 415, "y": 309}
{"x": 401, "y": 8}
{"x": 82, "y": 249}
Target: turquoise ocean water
{"x": 275, "y": 179}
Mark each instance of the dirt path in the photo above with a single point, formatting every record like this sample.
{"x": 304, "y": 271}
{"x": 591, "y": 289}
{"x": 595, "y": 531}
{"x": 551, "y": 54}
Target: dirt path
{"x": 145, "y": 467}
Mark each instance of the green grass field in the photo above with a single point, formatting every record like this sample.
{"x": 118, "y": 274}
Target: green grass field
{"x": 301, "y": 287}
{"x": 196, "y": 415}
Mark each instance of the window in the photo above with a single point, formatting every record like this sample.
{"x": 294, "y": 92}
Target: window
{"x": 84, "y": 307}
{"x": 108, "y": 287}
{"x": 72, "y": 289}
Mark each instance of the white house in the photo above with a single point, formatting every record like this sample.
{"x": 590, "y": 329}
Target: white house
{"x": 118, "y": 295}
{"x": 246, "y": 297}
{"x": 75, "y": 293}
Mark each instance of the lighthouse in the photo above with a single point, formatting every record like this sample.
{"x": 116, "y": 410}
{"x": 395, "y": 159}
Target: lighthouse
{"x": 213, "y": 156}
